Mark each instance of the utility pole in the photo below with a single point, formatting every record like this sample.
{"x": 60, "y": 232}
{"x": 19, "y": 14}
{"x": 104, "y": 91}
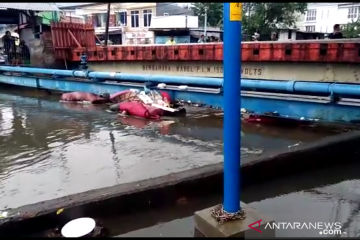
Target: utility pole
{"x": 205, "y": 21}
{"x": 107, "y": 25}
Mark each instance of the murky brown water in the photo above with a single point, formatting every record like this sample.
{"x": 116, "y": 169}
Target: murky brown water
{"x": 329, "y": 195}
{"x": 49, "y": 149}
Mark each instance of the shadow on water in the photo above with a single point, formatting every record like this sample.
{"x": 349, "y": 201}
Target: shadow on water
{"x": 51, "y": 149}
{"x": 329, "y": 195}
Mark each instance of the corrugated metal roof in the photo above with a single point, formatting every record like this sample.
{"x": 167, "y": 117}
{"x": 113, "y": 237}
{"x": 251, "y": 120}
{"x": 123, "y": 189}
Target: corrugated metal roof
{"x": 40, "y": 7}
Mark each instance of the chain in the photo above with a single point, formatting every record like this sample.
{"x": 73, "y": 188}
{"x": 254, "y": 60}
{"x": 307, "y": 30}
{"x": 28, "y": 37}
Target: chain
{"x": 221, "y": 216}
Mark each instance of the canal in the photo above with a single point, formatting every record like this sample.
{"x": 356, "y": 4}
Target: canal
{"x": 51, "y": 149}
{"x": 329, "y": 195}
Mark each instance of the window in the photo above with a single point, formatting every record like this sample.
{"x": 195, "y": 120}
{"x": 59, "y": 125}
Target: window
{"x": 134, "y": 19}
{"x": 289, "y": 34}
{"x": 311, "y": 15}
{"x": 353, "y": 12}
{"x": 101, "y": 20}
{"x": 310, "y": 28}
{"x": 147, "y": 17}
{"x": 122, "y": 19}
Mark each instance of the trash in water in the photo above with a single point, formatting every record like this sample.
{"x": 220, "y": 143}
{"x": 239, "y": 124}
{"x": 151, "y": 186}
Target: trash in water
{"x": 4, "y": 214}
{"x": 78, "y": 227}
{"x": 161, "y": 85}
{"x": 294, "y": 145}
{"x": 81, "y": 227}
{"x": 7, "y": 214}
{"x": 59, "y": 211}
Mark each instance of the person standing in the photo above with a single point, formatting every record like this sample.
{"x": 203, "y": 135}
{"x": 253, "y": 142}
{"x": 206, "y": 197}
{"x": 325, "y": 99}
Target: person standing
{"x": 171, "y": 41}
{"x": 336, "y": 34}
{"x": 201, "y": 39}
{"x": 274, "y": 36}
{"x": 9, "y": 47}
{"x": 24, "y": 53}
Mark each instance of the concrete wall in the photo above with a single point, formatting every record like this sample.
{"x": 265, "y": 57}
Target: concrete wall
{"x": 172, "y": 22}
{"x": 284, "y": 35}
{"x": 41, "y": 49}
{"x": 300, "y": 22}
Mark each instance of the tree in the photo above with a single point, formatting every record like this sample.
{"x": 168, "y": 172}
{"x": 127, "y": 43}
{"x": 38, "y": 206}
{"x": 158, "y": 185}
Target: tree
{"x": 266, "y": 17}
{"x": 262, "y": 17}
{"x": 351, "y": 30}
{"x": 214, "y": 12}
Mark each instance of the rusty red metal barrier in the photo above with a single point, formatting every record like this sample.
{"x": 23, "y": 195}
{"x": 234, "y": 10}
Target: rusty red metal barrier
{"x": 67, "y": 36}
{"x": 70, "y": 40}
{"x": 253, "y": 52}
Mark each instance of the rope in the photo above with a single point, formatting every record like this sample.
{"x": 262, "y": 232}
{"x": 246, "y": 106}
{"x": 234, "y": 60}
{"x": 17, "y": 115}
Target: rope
{"x": 221, "y": 216}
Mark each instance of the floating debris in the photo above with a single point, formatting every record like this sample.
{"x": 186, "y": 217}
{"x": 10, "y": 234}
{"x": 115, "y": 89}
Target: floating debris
{"x": 4, "y": 214}
{"x": 247, "y": 151}
{"x": 8, "y": 214}
{"x": 78, "y": 228}
{"x": 59, "y": 211}
{"x": 161, "y": 85}
{"x": 294, "y": 145}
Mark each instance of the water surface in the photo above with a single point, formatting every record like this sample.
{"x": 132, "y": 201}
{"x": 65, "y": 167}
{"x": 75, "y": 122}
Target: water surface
{"x": 50, "y": 149}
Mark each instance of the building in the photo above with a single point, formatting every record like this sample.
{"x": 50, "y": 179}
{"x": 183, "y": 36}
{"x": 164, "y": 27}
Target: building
{"x": 129, "y": 22}
{"x": 299, "y": 24}
{"x": 292, "y": 34}
{"x": 321, "y": 17}
{"x": 177, "y": 26}
{"x": 27, "y": 20}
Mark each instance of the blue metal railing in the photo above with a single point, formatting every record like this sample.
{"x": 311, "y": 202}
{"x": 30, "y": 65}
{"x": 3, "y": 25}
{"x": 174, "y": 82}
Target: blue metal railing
{"x": 293, "y": 87}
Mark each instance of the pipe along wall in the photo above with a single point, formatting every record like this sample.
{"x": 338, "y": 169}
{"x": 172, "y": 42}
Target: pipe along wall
{"x": 293, "y": 87}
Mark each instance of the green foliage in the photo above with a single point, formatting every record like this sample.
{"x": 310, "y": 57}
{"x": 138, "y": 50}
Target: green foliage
{"x": 351, "y": 30}
{"x": 214, "y": 12}
{"x": 264, "y": 17}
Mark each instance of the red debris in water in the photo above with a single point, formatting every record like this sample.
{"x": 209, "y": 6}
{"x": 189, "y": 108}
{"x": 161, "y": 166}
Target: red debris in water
{"x": 166, "y": 95}
{"x": 140, "y": 110}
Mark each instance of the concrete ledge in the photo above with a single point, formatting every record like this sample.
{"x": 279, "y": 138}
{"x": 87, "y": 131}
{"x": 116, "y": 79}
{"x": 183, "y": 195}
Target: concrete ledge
{"x": 206, "y": 226}
{"x": 166, "y": 190}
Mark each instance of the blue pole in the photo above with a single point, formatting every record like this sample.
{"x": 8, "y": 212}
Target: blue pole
{"x": 232, "y": 121}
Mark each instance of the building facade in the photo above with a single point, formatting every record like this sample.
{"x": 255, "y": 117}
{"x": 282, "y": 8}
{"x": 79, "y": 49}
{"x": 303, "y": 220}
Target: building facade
{"x": 133, "y": 19}
{"x": 321, "y": 17}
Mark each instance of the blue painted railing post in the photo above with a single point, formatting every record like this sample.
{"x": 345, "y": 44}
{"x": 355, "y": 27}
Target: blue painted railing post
{"x": 232, "y": 117}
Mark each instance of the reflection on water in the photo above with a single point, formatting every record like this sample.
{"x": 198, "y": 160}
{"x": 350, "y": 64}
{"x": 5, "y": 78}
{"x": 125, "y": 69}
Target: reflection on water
{"x": 49, "y": 149}
{"x": 328, "y": 195}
